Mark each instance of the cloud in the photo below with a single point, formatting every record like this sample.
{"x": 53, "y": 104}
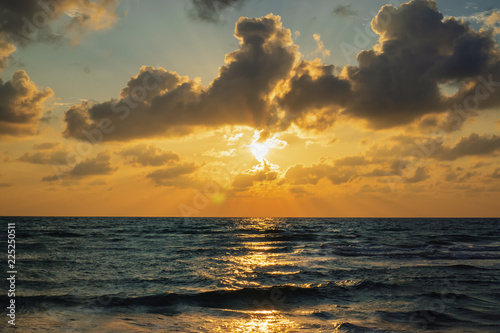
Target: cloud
{"x": 459, "y": 177}
{"x": 46, "y": 145}
{"x": 472, "y": 145}
{"x": 6, "y": 184}
{"x": 92, "y": 166}
{"x": 59, "y": 157}
{"x": 344, "y": 10}
{"x": 298, "y": 190}
{"x": 99, "y": 165}
{"x": 496, "y": 173}
{"x": 211, "y": 10}
{"x": 489, "y": 19}
{"x": 245, "y": 181}
{"x": 174, "y": 175}
{"x": 30, "y": 21}
{"x": 148, "y": 155}
{"x": 301, "y": 175}
{"x": 398, "y": 81}
{"x": 21, "y": 105}
{"x": 264, "y": 85}
{"x": 157, "y": 102}
{"x": 352, "y": 161}
{"x": 320, "y": 46}
{"x": 435, "y": 148}
{"x": 220, "y": 154}
{"x": 420, "y": 175}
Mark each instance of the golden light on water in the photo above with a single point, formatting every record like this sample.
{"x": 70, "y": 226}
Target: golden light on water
{"x": 265, "y": 321}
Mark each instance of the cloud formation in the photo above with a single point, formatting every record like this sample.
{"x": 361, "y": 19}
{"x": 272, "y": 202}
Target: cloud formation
{"x": 148, "y": 155}
{"x": 264, "y": 84}
{"x": 27, "y": 21}
{"x": 398, "y": 81}
{"x": 472, "y": 145}
{"x": 344, "y": 10}
{"x": 177, "y": 175}
{"x": 46, "y": 156}
{"x": 211, "y": 10}
{"x": 21, "y": 105}
{"x": 91, "y": 166}
{"x": 157, "y": 102}
{"x": 302, "y": 175}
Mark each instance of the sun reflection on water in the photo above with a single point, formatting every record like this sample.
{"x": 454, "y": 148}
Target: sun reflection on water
{"x": 265, "y": 321}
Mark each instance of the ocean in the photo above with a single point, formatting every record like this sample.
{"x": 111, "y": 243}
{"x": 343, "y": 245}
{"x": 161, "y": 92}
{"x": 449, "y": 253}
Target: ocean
{"x": 120, "y": 274}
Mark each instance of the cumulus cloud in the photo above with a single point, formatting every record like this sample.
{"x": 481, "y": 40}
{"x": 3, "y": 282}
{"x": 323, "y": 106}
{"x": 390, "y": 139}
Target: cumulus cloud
{"x": 157, "y": 102}
{"x": 148, "y": 155}
{"x": 398, "y": 81}
{"x": 177, "y": 175}
{"x": 264, "y": 85}
{"x": 211, "y": 10}
{"x": 21, "y": 105}
{"x": 27, "y": 21}
{"x": 344, "y": 10}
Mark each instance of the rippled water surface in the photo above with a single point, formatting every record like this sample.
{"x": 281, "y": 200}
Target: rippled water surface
{"x": 256, "y": 275}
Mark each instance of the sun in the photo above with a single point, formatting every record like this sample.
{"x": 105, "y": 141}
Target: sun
{"x": 262, "y": 143}
{"x": 260, "y": 150}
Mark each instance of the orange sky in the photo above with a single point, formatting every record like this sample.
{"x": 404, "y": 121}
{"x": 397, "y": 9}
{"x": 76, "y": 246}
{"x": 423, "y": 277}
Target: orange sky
{"x": 407, "y": 128}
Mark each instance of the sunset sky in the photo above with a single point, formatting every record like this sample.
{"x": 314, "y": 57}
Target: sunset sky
{"x": 250, "y": 108}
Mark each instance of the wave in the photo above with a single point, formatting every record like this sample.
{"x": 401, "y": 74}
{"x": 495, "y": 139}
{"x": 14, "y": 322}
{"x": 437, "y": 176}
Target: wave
{"x": 245, "y": 298}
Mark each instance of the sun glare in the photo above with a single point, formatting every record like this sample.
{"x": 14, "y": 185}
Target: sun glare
{"x": 260, "y": 146}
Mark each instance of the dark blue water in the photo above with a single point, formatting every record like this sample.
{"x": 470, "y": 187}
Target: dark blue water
{"x": 256, "y": 275}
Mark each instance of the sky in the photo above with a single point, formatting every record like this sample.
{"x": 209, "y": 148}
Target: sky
{"x": 250, "y": 108}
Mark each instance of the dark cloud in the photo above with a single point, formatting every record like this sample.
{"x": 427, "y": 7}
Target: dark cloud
{"x": 21, "y": 105}
{"x": 157, "y": 102}
{"x": 27, "y": 21}
{"x": 472, "y": 145}
{"x": 92, "y": 166}
{"x": 99, "y": 165}
{"x": 6, "y": 184}
{"x": 59, "y": 157}
{"x": 399, "y": 80}
{"x": 211, "y": 10}
{"x": 148, "y": 155}
{"x": 435, "y": 148}
{"x": 344, "y": 10}
{"x": 174, "y": 175}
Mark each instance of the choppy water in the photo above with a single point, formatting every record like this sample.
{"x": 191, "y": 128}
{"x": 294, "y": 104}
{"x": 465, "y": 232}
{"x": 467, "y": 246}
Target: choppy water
{"x": 256, "y": 275}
